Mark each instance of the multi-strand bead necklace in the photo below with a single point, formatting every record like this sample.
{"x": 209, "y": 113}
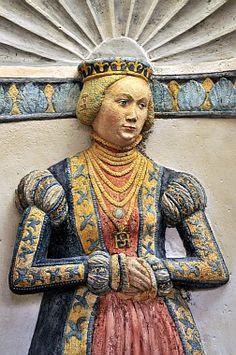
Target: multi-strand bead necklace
{"x": 117, "y": 202}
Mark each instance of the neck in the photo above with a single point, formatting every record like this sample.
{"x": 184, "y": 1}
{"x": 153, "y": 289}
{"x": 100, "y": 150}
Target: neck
{"x": 113, "y": 147}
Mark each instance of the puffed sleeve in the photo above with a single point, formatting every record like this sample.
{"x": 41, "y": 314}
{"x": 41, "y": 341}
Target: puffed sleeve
{"x": 183, "y": 196}
{"x": 40, "y": 188}
{"x": 43, "y": 200}
{"x": 183, "y": 206}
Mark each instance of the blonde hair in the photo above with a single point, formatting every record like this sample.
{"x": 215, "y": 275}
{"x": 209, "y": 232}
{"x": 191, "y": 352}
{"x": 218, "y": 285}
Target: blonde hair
{"x": 90, "y": 101}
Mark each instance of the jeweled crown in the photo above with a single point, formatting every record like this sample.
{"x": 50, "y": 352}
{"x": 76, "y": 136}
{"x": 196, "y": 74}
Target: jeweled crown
{"x": 114, "y": 66}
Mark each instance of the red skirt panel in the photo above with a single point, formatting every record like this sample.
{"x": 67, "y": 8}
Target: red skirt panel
{"x": 127, "y": 327}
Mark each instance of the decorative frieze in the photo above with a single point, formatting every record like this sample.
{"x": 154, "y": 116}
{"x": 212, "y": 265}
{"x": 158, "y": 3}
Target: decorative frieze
{"x": 28, "y": 99}
{"x": 212, "y": 95}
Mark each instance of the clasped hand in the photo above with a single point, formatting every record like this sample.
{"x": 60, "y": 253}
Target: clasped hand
{"x": 138, "y": 275}
{"x": 131, "y": 277}
{"x": 141, "y": 283}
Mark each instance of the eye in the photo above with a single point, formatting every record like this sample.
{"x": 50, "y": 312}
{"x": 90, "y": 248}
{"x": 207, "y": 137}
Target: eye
{"x": 123, "y": 102}
{"x": 142, "y": 105}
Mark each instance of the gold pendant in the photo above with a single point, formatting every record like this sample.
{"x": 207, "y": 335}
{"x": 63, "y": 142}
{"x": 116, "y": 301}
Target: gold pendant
{"x": 122, "y": 239}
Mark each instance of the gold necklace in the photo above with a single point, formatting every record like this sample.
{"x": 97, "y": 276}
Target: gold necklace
{"x": 114, "y": 154}
{"x": 121, "y": 235}
{"x": 101, "y": 184}
{"x": 118, "y": 173}
{"x": 107, "y": 182}
{"x": 114, "y": 160}
{"x": 98, "y": 139}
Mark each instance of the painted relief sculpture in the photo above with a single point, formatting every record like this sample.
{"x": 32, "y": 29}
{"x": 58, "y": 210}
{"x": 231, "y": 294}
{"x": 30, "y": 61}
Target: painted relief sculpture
{"x": 92, "y": 236}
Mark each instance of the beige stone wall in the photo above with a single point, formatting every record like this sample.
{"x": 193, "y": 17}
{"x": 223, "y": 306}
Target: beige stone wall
{"x": 203, "y": 147}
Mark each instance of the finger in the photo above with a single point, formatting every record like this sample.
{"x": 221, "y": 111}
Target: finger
{"x": 132, "y": 290}
{"x": 135, "y": 265}
{"x": 144, "y": 264}
{"x": 137, "y": 281}
{"x": 135, "y": 273}
{"x": 140, "y": 284}
{"x": 138, "y": 266}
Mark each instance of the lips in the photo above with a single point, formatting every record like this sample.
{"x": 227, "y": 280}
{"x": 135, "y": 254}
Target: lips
{"x": 130, "y": 127}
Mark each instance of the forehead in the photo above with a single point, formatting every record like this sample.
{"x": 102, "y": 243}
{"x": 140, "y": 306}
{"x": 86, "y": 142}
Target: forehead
{"x": 135, "y": 87}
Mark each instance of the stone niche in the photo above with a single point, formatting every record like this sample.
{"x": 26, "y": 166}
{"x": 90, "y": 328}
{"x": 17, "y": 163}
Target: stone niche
{"x": 192, "y": 46}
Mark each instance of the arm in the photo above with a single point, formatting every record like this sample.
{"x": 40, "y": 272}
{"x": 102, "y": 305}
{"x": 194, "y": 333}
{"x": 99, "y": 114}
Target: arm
{"x": 204, "y": 265}
{"x": 31, "y": 271}
{"x": 183, "y": 204}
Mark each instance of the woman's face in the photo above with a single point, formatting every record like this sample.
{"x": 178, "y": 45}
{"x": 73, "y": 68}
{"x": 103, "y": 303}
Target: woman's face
{"x": 123, "y": 111}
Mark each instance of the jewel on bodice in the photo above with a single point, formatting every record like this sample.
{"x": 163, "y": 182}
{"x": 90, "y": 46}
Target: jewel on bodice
{"x": 119, "y": 213}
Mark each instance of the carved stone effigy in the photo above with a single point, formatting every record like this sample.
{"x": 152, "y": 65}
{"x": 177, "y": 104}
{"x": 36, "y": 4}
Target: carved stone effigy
{"x": 96, "y": 223}
{"x": 92, "y": 235}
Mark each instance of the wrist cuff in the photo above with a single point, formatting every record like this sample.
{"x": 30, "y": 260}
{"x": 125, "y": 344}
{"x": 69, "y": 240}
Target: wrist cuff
{"x": 98, "y": 272}
{"x": 115, "y": 272}
{"x": 164, "y": 283}
{"x": 163, "y": 280}
{"x": 124, "y": 281}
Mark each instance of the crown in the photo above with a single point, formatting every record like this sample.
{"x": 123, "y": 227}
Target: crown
{"x": 114, "y": 66}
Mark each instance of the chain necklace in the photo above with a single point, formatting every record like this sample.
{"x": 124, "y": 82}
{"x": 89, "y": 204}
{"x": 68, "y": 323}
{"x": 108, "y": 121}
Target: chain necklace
{"x": 118, "y": 157}
{"x": 122, "y": 206}
{"x": 97, "y": 182}
{"x": 119, "y": 224}
{"x": 99, "y": 174}
{"x": 110, "y": 153}
{"x": 113, "y": 172}
{"x": 114, "y": 160}
{"x": 98, "y": 139}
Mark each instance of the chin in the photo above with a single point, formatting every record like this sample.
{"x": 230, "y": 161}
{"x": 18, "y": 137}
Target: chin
{"x": 127, "y": 138}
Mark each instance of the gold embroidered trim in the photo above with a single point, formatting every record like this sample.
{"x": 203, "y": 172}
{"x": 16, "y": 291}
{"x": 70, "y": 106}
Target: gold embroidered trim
{"x": 84, "y": 211}
{"x": 76, "y": 333}
{"x": 115, "y": 277}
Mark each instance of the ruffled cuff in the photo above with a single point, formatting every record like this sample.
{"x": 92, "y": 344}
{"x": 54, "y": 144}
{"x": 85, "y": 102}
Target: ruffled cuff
{"x": 98, "y": 280}
{"x": 162, "y": 276}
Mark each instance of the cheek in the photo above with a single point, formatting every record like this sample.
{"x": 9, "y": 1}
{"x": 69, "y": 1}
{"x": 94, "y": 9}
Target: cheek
{"x": 106, "y": 122}
{"x": 114, "y": 113}
{"x": 113, "y": 117}
{"x": 143, "y": 118}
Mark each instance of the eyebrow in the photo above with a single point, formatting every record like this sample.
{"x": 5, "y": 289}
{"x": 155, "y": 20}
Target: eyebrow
{"x": 130, "y": 97}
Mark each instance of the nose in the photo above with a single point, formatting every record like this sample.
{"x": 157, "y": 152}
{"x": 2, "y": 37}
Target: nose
{"x": 132, "y": 115}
